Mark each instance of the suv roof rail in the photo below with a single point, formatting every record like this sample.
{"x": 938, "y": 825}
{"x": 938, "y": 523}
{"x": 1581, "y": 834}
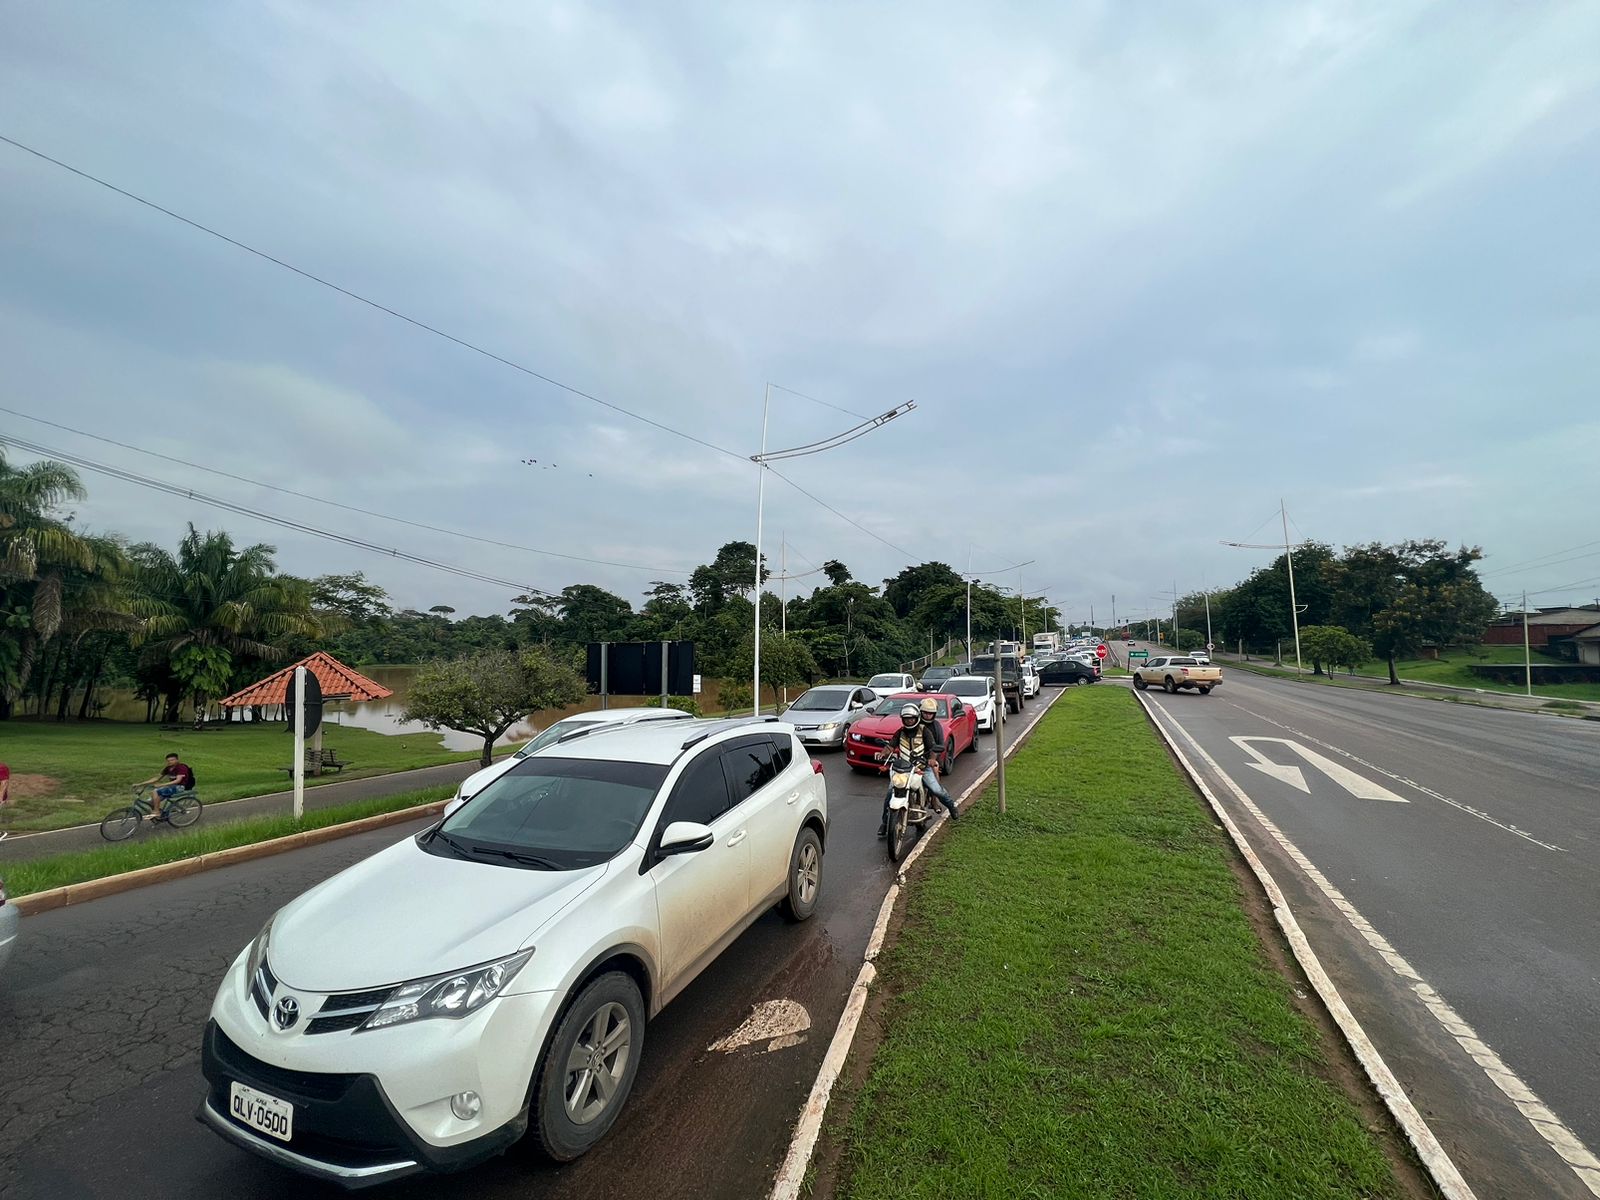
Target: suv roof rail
{"x": 591, "y": 729}
{"x": 718, "y": 724}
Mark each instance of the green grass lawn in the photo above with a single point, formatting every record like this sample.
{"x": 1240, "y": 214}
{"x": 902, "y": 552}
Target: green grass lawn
{"x": 1451, "y": 668}
{"x": 77, "y": 771}
{"x": 152, "y": 847}
{"x": 1077, "y": 1004}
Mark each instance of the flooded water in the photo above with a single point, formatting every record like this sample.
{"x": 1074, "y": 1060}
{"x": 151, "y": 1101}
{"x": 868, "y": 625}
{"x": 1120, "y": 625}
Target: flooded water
{"x": 383, "y": 716}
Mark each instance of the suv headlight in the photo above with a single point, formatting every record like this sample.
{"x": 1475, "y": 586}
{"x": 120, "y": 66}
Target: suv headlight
{"x": 454, "y": 995}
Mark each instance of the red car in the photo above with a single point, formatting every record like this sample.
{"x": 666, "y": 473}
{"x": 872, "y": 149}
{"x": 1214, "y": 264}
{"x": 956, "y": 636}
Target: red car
{"x": 871, "y": 733}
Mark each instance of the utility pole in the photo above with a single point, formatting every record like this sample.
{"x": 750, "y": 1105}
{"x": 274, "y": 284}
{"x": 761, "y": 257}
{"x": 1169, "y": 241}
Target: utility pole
{"x": 1294, "y": 607}
{"x": 1000, "y": 726}
{"x": 761, "y": 497}
{"x": 1527, "y": 650}
{"x": 783, "y": 600}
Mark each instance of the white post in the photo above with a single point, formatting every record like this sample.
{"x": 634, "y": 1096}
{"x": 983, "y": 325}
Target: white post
{"x": 999, "y": 726}
{"x": 969, "y": 620}
{"x": 298, "y": 716}
{"x": 1527, "y": 651}
{"x": 1294, "y": 607}
{"x": 1208, "y": 620}
{"x": 783, "y": 597}
{"x": 761, "y": 498}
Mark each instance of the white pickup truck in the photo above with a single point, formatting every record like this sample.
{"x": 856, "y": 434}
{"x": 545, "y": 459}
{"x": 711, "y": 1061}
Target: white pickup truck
{"x": 1177, "y": 672}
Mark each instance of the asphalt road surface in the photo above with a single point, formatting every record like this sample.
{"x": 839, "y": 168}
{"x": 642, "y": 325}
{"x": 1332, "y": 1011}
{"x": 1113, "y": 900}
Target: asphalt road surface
{"x": 102, "y": 1008}
{"x": 1468, "y": 841}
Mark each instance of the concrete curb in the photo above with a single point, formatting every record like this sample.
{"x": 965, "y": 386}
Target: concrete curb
{"x": 1435, "y": 1160}
{"x": 111, "y": 885}
{"x": 792, "y": 1174}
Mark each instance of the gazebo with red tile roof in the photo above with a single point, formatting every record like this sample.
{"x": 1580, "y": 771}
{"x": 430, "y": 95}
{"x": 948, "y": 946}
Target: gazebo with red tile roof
{"x": 338, "y": 682}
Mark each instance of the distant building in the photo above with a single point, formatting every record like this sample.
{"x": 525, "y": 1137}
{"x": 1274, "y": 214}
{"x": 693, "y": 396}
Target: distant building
{"x": 1586, "y": 645}
{"x": 1543, "y": 624}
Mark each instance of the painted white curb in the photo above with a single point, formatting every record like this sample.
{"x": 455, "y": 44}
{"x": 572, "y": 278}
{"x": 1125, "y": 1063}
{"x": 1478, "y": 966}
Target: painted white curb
{"x": 1438, "y": 1164}
{"x": 792, "y": 1174}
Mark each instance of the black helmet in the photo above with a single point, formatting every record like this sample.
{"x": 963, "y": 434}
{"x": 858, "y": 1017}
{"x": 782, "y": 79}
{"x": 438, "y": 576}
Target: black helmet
{"x": 910, "y": 717}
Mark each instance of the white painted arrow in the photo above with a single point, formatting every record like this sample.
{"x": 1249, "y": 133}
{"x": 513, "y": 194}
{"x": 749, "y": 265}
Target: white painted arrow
{"x": 1358, "y": 786}
{"x": 1293, "y": 776}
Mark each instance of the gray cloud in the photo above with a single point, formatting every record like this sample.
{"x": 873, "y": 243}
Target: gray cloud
{"x": 1336, "y": 252}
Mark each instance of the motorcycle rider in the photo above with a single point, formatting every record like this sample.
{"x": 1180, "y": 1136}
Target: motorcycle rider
{"x": 919, "y": 740}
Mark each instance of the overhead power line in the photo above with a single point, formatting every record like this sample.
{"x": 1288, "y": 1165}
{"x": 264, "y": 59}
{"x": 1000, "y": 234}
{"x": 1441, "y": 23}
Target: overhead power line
{"x": 368, "y": 301}
{"x": 174, "y": 489}
{"x": 367, "y": 512}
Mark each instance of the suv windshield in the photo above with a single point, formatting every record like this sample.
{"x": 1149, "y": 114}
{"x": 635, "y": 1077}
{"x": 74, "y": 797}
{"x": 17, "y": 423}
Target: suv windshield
{"x": 553, "y": 814}
{"x": 895, "y": 703}
{"x": 555, "y": 733}
{"x": 822, "y": 700}
{"x": 967, "y": 687}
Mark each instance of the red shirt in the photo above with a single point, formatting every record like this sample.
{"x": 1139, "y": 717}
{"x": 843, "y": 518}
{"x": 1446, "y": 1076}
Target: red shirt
{"x": 181, "y": 773}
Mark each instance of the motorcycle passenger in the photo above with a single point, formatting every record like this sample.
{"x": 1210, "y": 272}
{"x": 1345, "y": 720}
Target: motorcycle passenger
{"x": 921, "y": 742}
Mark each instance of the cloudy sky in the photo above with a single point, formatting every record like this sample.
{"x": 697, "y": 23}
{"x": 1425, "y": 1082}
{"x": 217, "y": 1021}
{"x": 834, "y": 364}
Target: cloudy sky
{"x": 1144, "y": 270}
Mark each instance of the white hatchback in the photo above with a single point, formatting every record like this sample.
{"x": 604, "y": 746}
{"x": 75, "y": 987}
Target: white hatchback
{"x": 422, "y": 1009}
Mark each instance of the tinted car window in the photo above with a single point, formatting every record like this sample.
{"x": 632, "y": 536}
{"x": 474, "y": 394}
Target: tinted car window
{"x": 782, "y": 753}
{"x": 570, "y": 812}
{"x": 701, "y": 793}
{"x": 748, "y": 762}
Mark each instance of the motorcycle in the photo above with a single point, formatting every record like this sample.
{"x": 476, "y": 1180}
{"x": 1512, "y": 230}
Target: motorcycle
{"x": 908, "y": 805}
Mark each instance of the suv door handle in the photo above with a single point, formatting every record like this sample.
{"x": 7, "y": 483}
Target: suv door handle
{"x": 793, "y": 796}
{"x": 737, "y": 838}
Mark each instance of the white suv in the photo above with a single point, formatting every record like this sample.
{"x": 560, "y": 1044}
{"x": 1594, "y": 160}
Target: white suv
{"x": 478, "y": 780}
{"x": 422, "y": 1009}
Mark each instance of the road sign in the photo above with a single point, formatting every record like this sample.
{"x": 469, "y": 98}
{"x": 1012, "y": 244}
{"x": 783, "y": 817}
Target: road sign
{"x": 1210, "y": 646}
{"x": 1138, "y": 654}
{"x": 1100, "y": 651}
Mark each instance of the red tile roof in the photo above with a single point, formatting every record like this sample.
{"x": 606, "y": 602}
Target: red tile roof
{"x": 338, "y": 681}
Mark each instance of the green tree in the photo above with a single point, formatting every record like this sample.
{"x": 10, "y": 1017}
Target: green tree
{"x": 1334, "y": 646}
{"x": 836, "y": 572}
{"x": 907, "y": 590}
{"x": 212, "y": 609}
{"x": 487, "y": 693}
{"x": 786, "y": 661}
{"x": 592, "y": 614}
{"x": 731, "y": 573}
{"x": 39, "y": 551}
{"x": 1440, "y": 601}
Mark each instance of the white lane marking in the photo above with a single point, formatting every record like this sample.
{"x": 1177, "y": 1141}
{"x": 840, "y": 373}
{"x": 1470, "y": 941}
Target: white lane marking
{"x": 1293, "y": 776}
{"x": 779, "y": 1023}
{"x": 1544, "y": 1122}
{"x": 1358, "y": 786}
{"x": 1410, "y": 783}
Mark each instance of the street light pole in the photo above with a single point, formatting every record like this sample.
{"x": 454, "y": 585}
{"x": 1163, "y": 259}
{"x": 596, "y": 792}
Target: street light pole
{"x": 1527, "y": 649}
{"x": 970, "y": 582}
{"x": 1294, "y": 607}
{"x": 761, "y": 497}
{"x": 765, "y": 457}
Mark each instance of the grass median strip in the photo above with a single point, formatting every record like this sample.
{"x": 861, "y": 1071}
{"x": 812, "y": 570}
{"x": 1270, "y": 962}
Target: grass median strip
{"x": 1077, "y": 1004}
{"x": 153, "y": 848}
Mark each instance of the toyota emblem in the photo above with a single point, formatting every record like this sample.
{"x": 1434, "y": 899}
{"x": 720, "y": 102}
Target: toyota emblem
{"x": 286, "y": 1012}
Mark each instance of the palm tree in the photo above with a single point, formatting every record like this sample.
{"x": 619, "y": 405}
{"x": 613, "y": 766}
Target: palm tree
{"x": 38, "y": 549}
{"x": 211, "y": 608}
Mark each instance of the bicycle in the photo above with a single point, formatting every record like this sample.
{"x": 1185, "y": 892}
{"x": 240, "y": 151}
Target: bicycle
{"x": 179, "y": 810}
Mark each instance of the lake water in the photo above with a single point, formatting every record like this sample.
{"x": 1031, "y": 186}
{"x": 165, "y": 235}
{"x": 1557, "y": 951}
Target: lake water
{"x": 383, "y": 716}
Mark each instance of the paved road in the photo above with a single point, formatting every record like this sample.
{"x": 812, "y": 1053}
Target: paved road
{"x": 19, "y": 847}
{"x": 103, "y": 1005}
{"x": 1469, "y": 839}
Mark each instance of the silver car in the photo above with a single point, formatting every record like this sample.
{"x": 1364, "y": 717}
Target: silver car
{"x": 822, "y": 715}
{"x": 10, "y": 920}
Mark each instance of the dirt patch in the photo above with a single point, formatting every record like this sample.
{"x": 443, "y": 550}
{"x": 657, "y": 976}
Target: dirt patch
{"x": 33, "y": 787}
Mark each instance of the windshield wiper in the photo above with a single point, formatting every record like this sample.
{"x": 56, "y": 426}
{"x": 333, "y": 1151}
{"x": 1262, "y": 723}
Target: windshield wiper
{"x": 460, "y": 850}
{"x": 518, "y": 856}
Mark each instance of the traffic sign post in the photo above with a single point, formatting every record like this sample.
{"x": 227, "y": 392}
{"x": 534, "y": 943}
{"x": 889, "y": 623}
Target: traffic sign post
{"x": 1101, "y": 650}
{"x": 1138, "y": 654}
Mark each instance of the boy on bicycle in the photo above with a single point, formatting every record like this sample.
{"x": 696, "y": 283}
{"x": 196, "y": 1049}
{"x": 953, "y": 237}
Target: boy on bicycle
{"x": 182, "y": 781}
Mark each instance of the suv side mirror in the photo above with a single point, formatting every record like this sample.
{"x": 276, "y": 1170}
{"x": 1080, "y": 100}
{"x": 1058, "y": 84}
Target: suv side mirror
{"x": 686, "y": 837}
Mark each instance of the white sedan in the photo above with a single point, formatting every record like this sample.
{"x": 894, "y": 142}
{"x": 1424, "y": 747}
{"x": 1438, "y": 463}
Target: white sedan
{"x": 892, "y": 683}
{"x": 979, "y": 694}
{"x": 493, "y": 975}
